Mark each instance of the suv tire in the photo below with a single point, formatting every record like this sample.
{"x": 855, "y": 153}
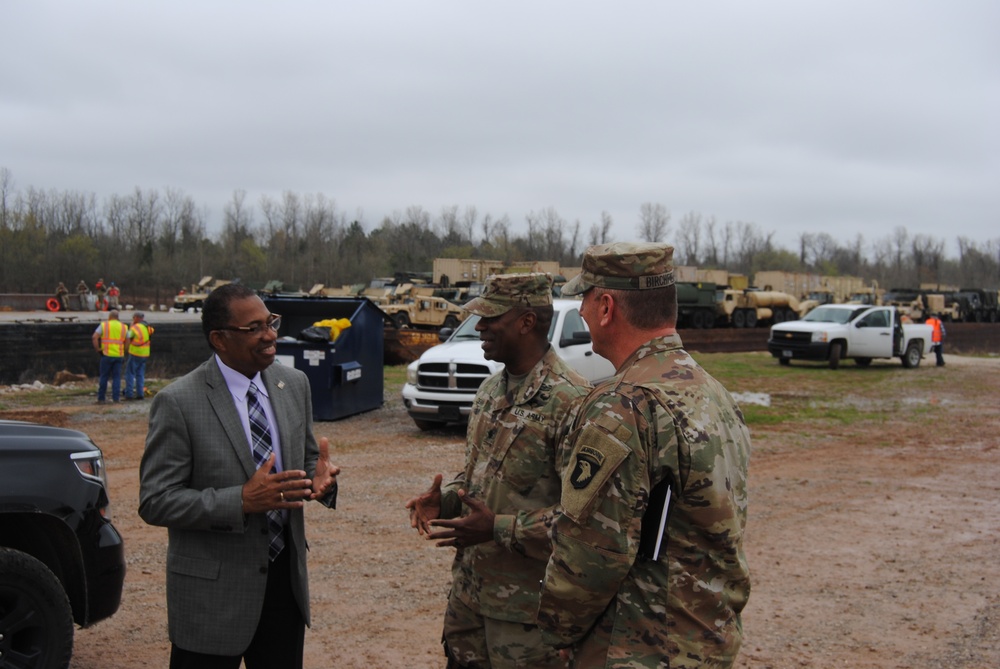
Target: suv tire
{"x": 36, "y": 623}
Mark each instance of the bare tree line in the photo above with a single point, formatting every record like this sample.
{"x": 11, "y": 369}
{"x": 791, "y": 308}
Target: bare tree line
{"x": 152, "y": 243}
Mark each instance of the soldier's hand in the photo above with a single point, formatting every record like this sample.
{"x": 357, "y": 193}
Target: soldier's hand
{"x": 474, "y": 528}
{"x": 426, "y": 507}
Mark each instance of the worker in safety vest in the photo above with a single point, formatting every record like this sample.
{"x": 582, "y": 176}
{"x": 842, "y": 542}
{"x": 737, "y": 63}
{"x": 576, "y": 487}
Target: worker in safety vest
{"x": 138, "y": 354}
{"x": 109, "y": 340}
{"x": 937, "y": 337}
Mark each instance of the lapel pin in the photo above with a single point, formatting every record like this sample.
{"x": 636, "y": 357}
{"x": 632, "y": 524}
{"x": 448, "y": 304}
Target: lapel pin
{"x": 281, "y": 384}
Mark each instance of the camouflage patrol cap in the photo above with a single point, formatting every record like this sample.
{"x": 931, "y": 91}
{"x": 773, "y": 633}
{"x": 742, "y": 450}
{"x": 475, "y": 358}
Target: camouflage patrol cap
{"x": 624, "y": 266}
{"x": 503, "y": 292}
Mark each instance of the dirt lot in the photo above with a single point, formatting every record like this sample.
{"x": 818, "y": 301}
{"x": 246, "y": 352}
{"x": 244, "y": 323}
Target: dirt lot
{"x": 873, "y": 543}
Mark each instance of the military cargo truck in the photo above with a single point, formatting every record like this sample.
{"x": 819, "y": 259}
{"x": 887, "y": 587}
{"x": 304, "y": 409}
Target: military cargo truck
{"x": 978, "y": 305}
{"x": 816, "y": 298}
{"x": 199, "y": 291}
{"x": 750, "y": 307}
{"x": 696, "y": 304}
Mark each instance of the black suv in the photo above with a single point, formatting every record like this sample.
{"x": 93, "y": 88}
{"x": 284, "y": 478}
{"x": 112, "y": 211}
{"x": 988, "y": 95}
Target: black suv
{"x": 61, "y": 559}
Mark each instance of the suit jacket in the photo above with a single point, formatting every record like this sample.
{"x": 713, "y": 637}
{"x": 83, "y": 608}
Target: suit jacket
{"x": 196, "y": 461}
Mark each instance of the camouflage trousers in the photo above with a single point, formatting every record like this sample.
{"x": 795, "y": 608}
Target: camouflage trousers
{"x": 475, "y": 642}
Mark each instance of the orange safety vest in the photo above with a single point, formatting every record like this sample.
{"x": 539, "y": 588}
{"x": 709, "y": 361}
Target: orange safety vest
{"x": 937, "y": 325}
{"x": 139, "y": 346}
{"x": 113, "y": 335}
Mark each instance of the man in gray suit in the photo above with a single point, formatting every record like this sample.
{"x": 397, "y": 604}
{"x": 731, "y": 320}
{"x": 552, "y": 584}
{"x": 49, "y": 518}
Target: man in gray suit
{"x": 230, "y": 462}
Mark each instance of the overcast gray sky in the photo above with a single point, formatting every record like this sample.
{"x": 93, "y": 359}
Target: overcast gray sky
{"x": 845, "y": 117}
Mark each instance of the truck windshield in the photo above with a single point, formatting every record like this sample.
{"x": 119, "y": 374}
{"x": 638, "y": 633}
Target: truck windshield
{"x": 829, "y": 315}
{"x": 467, "y": 329}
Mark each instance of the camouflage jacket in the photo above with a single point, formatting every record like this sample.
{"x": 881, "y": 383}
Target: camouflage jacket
{"x": 510, "y": 464}
{"x": 662, "y": 418}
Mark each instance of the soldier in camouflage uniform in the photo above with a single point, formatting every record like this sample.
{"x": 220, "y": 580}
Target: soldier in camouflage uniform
{"x": 498, "y": 512}
{"x": 647, "y": 566}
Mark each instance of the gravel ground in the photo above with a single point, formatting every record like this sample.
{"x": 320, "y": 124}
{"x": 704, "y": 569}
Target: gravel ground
{"x": 871, "y": 545}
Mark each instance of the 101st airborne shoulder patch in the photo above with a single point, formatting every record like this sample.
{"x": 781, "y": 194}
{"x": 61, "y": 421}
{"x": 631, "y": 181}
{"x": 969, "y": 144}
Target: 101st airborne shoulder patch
{"x": 588, "y": 463}
{"x": 595, "y": 458}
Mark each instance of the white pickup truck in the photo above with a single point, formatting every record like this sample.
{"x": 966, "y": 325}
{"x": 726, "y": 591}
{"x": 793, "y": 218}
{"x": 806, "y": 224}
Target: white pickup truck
{"x": 441, "y": 385}
{"x": 833, "y": 332}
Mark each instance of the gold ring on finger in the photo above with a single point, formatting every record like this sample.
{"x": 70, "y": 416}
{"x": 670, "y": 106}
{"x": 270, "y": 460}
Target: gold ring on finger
{"x": 282, "y": 495}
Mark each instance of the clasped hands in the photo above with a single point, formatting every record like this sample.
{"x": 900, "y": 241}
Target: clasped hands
{"x": 291, "y": 488}
{"x": 476, "y": 527}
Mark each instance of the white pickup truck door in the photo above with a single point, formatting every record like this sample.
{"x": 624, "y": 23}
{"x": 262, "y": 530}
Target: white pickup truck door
{"x": 871, "y": 335}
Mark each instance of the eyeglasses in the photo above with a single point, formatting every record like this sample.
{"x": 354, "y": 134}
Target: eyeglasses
{"x": 273, "y": 322}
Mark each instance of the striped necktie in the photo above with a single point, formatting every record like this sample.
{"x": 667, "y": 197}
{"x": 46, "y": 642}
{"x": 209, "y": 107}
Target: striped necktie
{"x": 260, "y": 437}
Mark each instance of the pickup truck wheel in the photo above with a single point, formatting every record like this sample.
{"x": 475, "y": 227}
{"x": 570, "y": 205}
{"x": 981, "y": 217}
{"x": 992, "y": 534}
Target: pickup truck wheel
{"x": 863, "y": 362}
{"x": 425, "y": 425}
{"x": 36, "y": 623}
{"x": 836, "y": 348}
{"x": 784, "y": 361}
{"x": 911, "y": 358}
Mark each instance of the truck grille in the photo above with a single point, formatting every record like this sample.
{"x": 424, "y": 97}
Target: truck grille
{"x": 451, "y": 376}
{"x": 792, "y": 340}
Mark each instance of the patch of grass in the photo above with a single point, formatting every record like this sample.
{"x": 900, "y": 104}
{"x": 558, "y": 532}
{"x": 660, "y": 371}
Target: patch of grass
{"x": 760, "y": 372}
{"x": 731, "y": 367}
{"x": 394, "y": 378}
{"x": 47, "y": 396}
{"x": 54, "y": 396}
{"x": 758, "y": 416}
{"x": 800, "y": 412}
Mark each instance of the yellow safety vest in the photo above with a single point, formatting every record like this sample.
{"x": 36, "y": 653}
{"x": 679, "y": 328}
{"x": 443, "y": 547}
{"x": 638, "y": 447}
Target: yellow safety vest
{"x": 139, "y": 345}
{"x": 113, "y": 339}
